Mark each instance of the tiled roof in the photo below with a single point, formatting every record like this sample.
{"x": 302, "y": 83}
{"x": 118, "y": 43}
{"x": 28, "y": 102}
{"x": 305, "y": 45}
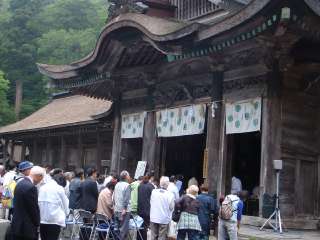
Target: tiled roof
{"x": 61, "y": 112}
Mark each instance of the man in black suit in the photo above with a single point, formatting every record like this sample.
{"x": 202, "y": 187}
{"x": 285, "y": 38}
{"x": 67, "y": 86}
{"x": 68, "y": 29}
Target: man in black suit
{"x": 26, "y": 215}
{"x": 89, "y": 191}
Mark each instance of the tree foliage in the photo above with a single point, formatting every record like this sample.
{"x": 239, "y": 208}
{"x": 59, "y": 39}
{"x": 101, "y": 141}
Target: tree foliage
{"x": 6, "y": 113}
{"x": 46, "y": 31}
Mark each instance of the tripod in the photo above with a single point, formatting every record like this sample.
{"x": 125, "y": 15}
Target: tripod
{"x": 276, "y": 214}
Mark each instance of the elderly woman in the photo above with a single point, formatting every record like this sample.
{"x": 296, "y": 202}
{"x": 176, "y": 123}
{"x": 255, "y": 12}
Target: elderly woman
{"x": 189, "y": 207}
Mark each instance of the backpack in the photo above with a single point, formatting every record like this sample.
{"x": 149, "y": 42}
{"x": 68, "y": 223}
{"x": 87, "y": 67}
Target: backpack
{"x": 8, "y": 194}
{"x": 226, "y": 209}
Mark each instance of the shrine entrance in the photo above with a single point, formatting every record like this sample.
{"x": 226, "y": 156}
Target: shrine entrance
{"x": 131, "y": 153}
{"x": 184, "y": 155}
{"x": 244, "y": 163}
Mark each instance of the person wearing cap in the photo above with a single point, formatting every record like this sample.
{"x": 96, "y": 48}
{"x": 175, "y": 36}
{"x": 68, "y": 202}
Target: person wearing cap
{"x": 24, "y": 169}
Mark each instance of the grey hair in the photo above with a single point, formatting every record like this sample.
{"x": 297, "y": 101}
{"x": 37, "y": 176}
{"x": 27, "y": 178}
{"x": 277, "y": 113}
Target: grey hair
{"x": 193, "y": 190}
{"x": 164, "y": 182}
{"x": 124, "y": 174}
{"x": 37, "y": 170}
{"x": 69, "y": 174}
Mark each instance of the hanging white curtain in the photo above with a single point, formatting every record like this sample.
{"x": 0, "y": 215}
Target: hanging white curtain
{"x": 182, "y": 121}
{"x": 132, "y": 125}
{"x": 243, "y": 116}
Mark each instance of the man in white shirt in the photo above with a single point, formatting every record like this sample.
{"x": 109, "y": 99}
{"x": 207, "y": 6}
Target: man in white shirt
{"x": 9, "y": 176}
{"x": 236, "y": 185}
{"x": 162, "y": 205}
{"x": 173, "y": 187}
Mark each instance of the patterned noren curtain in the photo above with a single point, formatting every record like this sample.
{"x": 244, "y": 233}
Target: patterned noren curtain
{"x": 182, "y": 121}
{"x": 132, "y": 125}
{"x": 243, "y": 116}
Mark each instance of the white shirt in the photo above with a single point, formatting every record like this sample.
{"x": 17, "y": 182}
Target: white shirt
{"x": 8, "y": 177}
{"x": 174, "y": 189}
{"x": 53, "y": 204}
{"x": 162, "y": 205}
{"x": 236, "y": 185}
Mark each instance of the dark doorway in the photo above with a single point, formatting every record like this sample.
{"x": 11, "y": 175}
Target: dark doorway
{"x": 244, "y": 162}
{"x": 184, "y": 155}
{"x": 131, "y": 153}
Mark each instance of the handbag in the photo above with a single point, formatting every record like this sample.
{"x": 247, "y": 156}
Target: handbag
{"x": 172, "y": 232}
{"x": 176, "y": 215}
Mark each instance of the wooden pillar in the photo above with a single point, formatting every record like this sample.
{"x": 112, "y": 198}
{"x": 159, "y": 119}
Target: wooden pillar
{"x": 270, "y": 133}
{"x": 23, "y": 151}
{"x": 99, "y": 150}
{"x": 116, "y": 144}
{"x": 213, "y": 133}
{"x": 80, "y": 150}
{"x": 48, "y": 151}
{"x": 4, "y": 150}
{"x": 318, "y": 188}
{"x": 151, "y": 144}
{"x": 63, "y": 161}
{"x": 34, "y": 153}
{"x": 222, "y": 165}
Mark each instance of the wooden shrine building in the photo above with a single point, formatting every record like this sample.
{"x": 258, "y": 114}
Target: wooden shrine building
{"x": 212, "y": 89}
{"x": 70, "y": 131}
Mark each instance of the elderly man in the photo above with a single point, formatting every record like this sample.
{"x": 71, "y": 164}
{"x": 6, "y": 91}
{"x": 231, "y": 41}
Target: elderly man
{"x": 121, "y": 201}
{"x": 162, "y": 205}
{"x": 24, "y": 169}
{"x": 26, "y": 216}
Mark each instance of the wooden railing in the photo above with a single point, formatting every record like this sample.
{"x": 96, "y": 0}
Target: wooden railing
{"x": 190, "y": 9}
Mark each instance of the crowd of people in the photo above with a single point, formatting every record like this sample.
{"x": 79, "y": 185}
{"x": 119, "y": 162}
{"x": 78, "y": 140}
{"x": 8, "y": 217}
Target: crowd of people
{"x": 43, "y": 197}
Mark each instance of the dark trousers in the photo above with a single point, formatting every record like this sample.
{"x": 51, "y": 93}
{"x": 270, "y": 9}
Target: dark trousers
{"x": 122, "y": 224}
{"x": 144, "y": 231}
{"x": 14, "y": 237}
{"x": 49, "y": 231}
{"x": 192, "y": 234}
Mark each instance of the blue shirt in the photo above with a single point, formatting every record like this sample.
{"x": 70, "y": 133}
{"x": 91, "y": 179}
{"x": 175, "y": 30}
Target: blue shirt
{"x": 208, "y": 206}
{"x": 239, "y": 210}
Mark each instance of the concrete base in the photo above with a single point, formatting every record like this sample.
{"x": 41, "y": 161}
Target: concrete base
{"x": 301, "y": 224}
{"x": 4, "y": 224}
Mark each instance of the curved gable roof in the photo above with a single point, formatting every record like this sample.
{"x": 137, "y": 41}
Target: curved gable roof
{"x": 155, "y": 29}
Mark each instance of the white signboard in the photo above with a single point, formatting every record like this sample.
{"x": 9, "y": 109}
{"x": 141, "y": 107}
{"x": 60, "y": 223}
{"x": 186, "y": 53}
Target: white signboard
{"x": 141, "y": 168}
{"x": 243, "y": 116}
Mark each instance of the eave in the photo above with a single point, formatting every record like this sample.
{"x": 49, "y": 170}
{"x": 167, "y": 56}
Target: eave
{"x": 157, "y": 32}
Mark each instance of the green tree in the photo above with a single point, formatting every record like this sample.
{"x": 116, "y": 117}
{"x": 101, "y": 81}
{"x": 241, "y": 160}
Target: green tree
{"x": 6, "y": 112}
{"x": 46, "y": 31}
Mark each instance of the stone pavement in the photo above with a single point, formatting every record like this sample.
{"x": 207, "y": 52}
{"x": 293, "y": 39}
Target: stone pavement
{"x": 253, "y": 233}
